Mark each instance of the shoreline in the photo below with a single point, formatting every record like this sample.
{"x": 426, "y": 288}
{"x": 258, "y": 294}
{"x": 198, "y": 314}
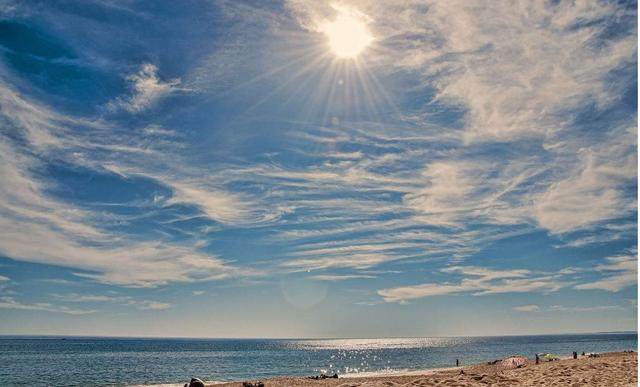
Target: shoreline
{"x": 610, "y": 369}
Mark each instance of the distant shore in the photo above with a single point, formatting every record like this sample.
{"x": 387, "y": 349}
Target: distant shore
{"x": 608, "y": 369}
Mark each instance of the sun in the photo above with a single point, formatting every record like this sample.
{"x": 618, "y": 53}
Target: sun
{"x": 347, "y": 34}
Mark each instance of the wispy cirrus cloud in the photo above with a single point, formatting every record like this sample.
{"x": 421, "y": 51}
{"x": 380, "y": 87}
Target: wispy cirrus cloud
{"x": 12, "y": 303}
{"x": 478, "y": 281}
{"x": 526, "y": 308}
{"x": 618, "y": 272}
{"x": 510, "y": 98}
{"x": 115, "y": 299}
{"x": 498, "y": 133}
{"x": 39, "y": 227}
{"x": 566, "y": 309}
{"x": 340, "y": 277}
{"x": 147, "y": 89}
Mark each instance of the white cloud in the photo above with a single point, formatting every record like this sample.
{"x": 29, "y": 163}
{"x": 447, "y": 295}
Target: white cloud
{"x": 452, "y": 191}
{"x": 522, "y": 72}
{"x": 620, "y": 272}
{"x": 74, "y": 297}
{"x": 120, "y": 262}
{"x": 592, "y": 195}
{"x": 527, "y": 308}
{"x": 340, "y": 277}
{"x": 354, "y": 260}
{"x": 519, "y": 71}
{"x": 153, "y": 305}
{"x": 567, "y": 309}
{"x": 12, "y": 303}
{"x": 518, "y": 68}
{"x": 123, "y": 300}
{"x": 218, "y": 205}
{"x": 147, "y": 89}
{"x": 3, "y": 278}
{"x": 479, "y": 282}
{"x": 37, "y": 227}
{"x": 583, "y": 309}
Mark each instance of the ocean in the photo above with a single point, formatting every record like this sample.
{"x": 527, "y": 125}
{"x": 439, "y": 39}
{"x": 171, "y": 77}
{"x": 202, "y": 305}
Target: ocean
{"x": 64, "y": 361}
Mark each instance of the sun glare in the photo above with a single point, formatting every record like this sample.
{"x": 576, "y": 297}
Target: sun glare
{"x": 348, "y": 34}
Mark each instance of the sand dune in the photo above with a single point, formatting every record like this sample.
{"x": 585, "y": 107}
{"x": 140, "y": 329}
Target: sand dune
{"x": 611, "y": 369}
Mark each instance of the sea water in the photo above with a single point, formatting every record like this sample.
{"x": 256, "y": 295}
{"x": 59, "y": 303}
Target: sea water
{"x": 62, "y": 361}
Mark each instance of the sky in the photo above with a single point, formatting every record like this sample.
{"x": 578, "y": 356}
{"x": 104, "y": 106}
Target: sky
{"x": 318, "y": 169}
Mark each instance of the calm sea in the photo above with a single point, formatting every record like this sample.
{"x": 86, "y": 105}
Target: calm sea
{"x": 127, "y": 361}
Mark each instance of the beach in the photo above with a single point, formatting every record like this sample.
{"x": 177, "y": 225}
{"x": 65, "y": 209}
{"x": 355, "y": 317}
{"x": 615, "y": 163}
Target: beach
{"x": 608, "y": 369}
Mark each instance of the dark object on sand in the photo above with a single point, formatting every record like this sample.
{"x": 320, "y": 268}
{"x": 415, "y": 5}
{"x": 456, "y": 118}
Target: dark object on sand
{"x": 195, "y": 382}
{"x": 251, "y": 384}
{"x": 323, "y": 376}
{"x": 575, "y": 354}
{"x": 537, "y": 359}
{"x": 457, "y": 363}
{"x": 582, "y": 353}
{"x": 493, "y": 362}
{"x": 594, "y": 355}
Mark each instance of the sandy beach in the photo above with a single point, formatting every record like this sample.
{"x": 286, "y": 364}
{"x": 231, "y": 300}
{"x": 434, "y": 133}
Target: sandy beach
{"x": 609, "y": 369}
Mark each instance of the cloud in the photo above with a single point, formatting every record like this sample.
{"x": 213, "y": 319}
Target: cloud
{"x": 527, "y": 308}
{"x": 568, "y": 309}
{"x": 593, "y": 194}
{"x": 153, "y": 305}
{"x": 3, "y": 278}
{"x": 451, "y": 192}
{"x": 23, "y": 197}
{"x": 510, "y": 156}
{"x": 147, "y": 90}
{"x": 123, "y": 300}
{"x": 519, "y": 70}
{"x": 11, "y": 303}
{"x": 479, "y": 282}
{"x": 359, "y": 261}
{"x": 40, "y": 227}
{"x": 340, "y": 277}
{"x": 583, "y": 309}
{"x": 129, "y": 263}
{"x": 619, "y": 273}
{"x": 198, "y": 292}
{"x": 74, "y": 297}
{"x": 523, "y": 75}
{"x": 218, "y": 205}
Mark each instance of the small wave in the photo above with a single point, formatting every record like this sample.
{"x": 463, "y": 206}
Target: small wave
{"x": 174, "y": 384}
{"x": 158, "y": 385}
{"x": 393, "y": 372}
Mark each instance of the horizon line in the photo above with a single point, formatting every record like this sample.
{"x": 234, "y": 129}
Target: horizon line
{"x": 3, "y": 335}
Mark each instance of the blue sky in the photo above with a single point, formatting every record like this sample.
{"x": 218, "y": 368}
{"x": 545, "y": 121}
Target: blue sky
{"x": 213, "y": 169}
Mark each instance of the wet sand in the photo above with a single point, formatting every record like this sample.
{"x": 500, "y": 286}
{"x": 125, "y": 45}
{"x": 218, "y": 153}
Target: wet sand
{"x": 609, "y": 369}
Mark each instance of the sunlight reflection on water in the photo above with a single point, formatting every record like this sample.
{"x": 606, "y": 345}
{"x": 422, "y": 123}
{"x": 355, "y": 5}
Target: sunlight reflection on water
{"x": 389, "y": 343}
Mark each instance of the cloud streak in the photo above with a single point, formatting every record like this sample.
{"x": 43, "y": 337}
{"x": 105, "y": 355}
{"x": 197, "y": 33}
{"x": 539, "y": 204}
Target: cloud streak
{"x": 479, "y": 282}
{"x": 147, "y": 89}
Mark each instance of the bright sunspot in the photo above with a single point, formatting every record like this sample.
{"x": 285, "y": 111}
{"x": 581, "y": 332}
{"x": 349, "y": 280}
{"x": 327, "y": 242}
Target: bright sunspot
{"x": 347, "y": 34}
